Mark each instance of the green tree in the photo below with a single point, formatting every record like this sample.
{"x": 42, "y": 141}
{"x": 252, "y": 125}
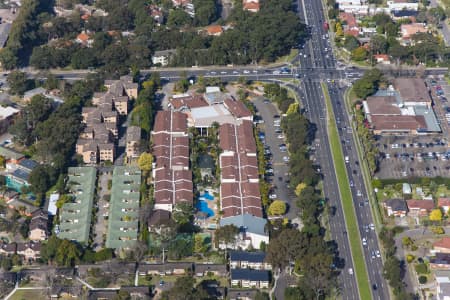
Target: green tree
{"x": 286, "y": 247}
{"x": 351, "y": 43}
{"x": 178, "y": 18}
{"x": 145, "y": 162}
{"x": 183, "y": 213}
{"x": 226, "y": 234}
{"x": 378, "y": 44}
{"x": 359, "y": 54}
{"x": 17, "y": 82}
{"x": 67, "y": 253}
{"x": 184, "y": 289}
{"x": 277, "y": 207}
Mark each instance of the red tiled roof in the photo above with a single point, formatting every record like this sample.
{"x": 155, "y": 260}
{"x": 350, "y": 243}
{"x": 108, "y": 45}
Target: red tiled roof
{"x": 237, "y": 108}
{"x": 188, "y": 101}
{"x": 443, "y": 243}
{"x": 170, "y": 122}
{"x": 443, "y": 202}
{"x": 214, "y": 29}
{"x": 251, "y": 6}
{"x": 420, "y": 204}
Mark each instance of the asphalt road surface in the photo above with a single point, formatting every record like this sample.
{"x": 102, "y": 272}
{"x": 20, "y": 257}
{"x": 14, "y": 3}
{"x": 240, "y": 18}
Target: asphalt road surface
{"x": 318, "y": 54}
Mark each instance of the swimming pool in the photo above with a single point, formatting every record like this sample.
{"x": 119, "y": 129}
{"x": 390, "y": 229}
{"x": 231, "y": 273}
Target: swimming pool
{"x": 206, "y": 196}
{"x": 203, "y": 207}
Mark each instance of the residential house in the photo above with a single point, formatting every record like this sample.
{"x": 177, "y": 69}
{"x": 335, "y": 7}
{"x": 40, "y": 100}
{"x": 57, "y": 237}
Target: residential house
{"x": 419, "y": 208}
{"x": 382, "y": 59}
{"x": 84, "y": 39}
{"x": 249, "y": 260}
{"x": 201, "y": 270}
{"x": 29, "y": 250}
{"x": 403, "y": 5}
{"x": 408, "y": 30}
{"x": 183, "y": 102}
{"x": 8, "y": 249}
{"x": 444, "y": 203}
{"x": 163, "y": 57}
{"x": 241, "y": 294}
{"x": 176, "y": 268}
{"x": 251, "y": 5}
{"x": 11, "y": 156}
{"x": 18, "y": 178}
{"x": 214, "y": 30}
{"x": 404, "y": 14}
{"x": 441, "y": 261}
{"x": 248, "y": 278}
{"x": 137, "y": 292}
{"x": 7, "y": 116}
{"x": 133, "y": 139}
{"x": 251, "y": 231}
{"x": 442, "y": 246}
{"x": 33, "y": 92}
{"x": 38, "y": 226}
{"x": 396, "y": 207}
{"x": 158, "y": 220}
{"x": 22, "y": 207}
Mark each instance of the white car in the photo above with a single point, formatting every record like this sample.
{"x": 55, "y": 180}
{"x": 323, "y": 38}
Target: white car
{"x": 235, "y": 72}
{"x": 286, "y": 158}
{"x": 272, "y": 196}
{"x": 350, "y": 271}
{"x": 246, "y": 72}
{"x": 280, "y": 136}
{"x": 377, "y": 253}
{"x": 359, "y": 194}
{"x": 364, "y": 242}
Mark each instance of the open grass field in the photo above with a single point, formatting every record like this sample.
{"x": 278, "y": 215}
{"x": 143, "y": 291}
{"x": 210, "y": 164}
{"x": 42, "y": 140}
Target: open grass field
{"x": 29, "y": 294}
{"x": 347, "y": 203}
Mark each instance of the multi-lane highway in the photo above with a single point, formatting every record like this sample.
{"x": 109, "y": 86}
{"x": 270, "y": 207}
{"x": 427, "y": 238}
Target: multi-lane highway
{"x": 318, "y": 54}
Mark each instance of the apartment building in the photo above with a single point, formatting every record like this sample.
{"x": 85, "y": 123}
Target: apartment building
{"x": 172, "y": 177}
{"x": 75, "y": 216}
{"x": 133, "y": 139}
{"x": 97, "y": 140}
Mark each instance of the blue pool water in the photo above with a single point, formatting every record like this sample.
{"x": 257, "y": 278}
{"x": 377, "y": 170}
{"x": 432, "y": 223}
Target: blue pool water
{"x": 203, "y": 207}
{"x": 206, "y": 196}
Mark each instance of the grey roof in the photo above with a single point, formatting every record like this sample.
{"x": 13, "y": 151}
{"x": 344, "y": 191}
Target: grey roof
{"x": 247, "y": 256}
{"x": 397, "y": 204}
{"x": 246, "y": 222}
{"x": 234, "y": 294}
{"x": 124, "y": 208}
{"x": 10, "y": 153}
{"x": 5, "y": 28}
{"x": 76, "y": 216}
{"x": 165, "y": 52}
{"x": 248, "y": 274}
{"x": 430, "y": 118}
{"x": 133, "y": 133}
{"x": 445, "y": 289}
{"x": 404, "y": 13}
{"x": 205, "y": 161}
{"x": 34, "y": 92}
{"x": 21, "y": 174}
{"x": 28, "y": 164}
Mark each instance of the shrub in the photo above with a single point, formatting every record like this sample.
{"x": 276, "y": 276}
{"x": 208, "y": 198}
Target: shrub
{"x": 421, "y": 268}
{"x": 437, "y": 230}
{"x": 410, "y": 258}
{"x": 423, "y": 279}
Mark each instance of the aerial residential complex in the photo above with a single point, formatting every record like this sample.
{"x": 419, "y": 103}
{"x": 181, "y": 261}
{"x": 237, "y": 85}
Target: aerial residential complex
{"x": 75, "y": 217}
{"x": 97, "y": 142}
{"x": 172, "y": 177}
{"x": 123, "y": 222}
{"x": 240, "y": 199}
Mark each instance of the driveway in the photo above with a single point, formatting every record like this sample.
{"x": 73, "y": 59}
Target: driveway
{"x": 103, "y": 206}
{"x": 280, "y": 168}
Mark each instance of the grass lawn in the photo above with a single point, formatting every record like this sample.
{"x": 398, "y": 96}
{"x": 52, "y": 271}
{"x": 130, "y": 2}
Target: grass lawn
{"x": 347, "y": 203}
{"x": 29, "y": 294}
{"x": 287, "y": 58}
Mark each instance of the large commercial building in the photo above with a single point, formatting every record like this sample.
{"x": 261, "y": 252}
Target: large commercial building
{"x": 404, "y": 108}
{"x": 75, "y": 216}
{"x": 123, "y": 221}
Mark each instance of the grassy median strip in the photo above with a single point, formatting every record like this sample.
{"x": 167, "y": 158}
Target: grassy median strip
{"x": 347, "y": 202}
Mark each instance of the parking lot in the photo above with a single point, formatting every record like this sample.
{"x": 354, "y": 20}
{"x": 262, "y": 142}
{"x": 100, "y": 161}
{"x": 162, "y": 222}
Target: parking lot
{"x": 420, "y": 156}
{"x": 413, "y": 156}
{"x": 277, "y": 168}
